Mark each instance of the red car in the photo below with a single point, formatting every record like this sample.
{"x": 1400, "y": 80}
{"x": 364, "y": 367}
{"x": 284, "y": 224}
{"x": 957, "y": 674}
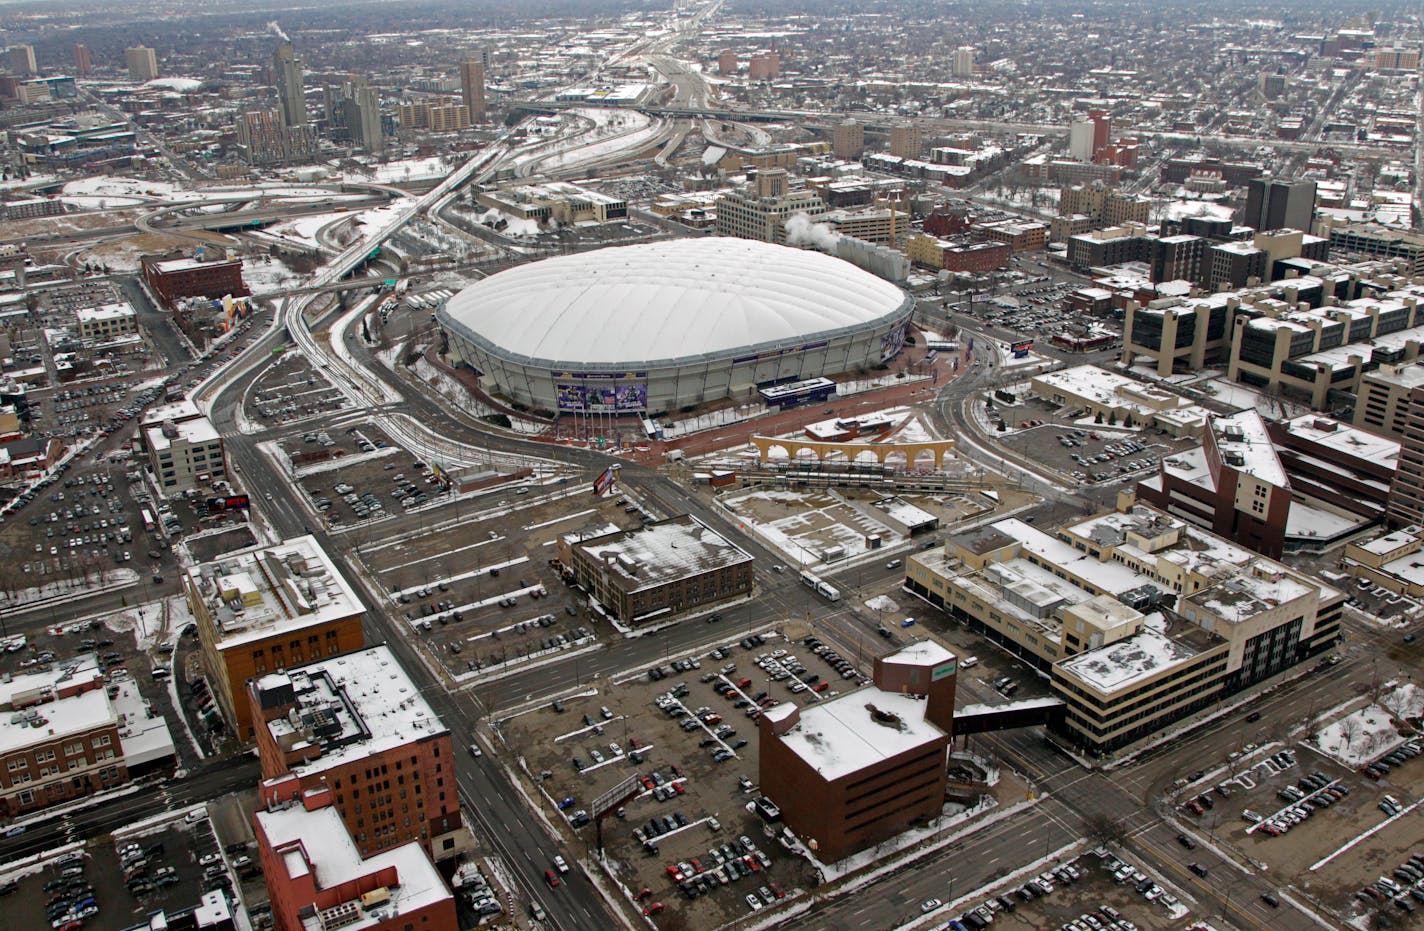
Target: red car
{"x": 551, "y": 878}
{"x": 820, "y": 686}
{"x": 644, "y": 893}
{"x": 654, "y": 908}
{"x": 743, "y": 683}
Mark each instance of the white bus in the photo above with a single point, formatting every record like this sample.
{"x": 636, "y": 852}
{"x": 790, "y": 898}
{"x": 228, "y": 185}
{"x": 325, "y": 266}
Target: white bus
{"x": 820, "y": 587}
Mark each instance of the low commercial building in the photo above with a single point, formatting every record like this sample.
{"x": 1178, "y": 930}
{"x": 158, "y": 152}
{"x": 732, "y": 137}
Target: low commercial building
{"x": 1119, "y": 399}
{"x": 1390, "y": 561}
{"x": 556, "y": 200}
{"x": 662, "y": 570}
{"x": 107, "y": 321}
{"x": 174, "y": 279}
{"x": 351, "y": 723}
{"x": 184, "y": 449}
{"x": 1020, "y": 236}
{"x": 857, "y": 769}
{"x": 267, "y": 608}
{"x": 318, "y": 878}
{"x": 66, "y": 733}
{"x": 1137, "y": 617}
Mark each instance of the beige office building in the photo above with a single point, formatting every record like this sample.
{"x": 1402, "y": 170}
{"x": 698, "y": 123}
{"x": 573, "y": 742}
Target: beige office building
{"x": 848, "y": 140}
{"x": 762, "y": 212}
{"x": 905, "y": 141}
{"x": 142, "y": 63}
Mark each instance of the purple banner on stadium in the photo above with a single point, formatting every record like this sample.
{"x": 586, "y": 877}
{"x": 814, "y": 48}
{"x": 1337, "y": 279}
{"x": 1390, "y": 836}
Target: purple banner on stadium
{"x": 601, "y": 398}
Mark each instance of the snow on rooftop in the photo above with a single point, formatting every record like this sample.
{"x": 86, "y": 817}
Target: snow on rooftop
{"x": 842, "y": 736}
{"x": 661, "y": 301}
{"x": 1119, "y": 665}
{"x": 927, "y": 652}
{"x": 33, "y": 714}
{"x": 1346, "y": 439}
{"x": 661, "y": 552}
{"x": 197, "y": 430}
{"x": 368, "y": 696}
{"x": 334, "y": 858}
{"x": 1245, "y": 445}
{"x": 309, "y": 590}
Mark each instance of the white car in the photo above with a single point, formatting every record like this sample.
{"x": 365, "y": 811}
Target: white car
{"x": 754, "y": 902}
{"x": 561, "y": 864}
{"x": 929, "y": 905}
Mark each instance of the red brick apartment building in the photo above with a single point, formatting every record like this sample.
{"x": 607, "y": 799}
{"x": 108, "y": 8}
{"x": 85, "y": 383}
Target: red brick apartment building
{"x": 852, "y": 771}
{"x": 318, "y": 878}
{"x": 356, "y": 726}
{"x": 174, "y": 279}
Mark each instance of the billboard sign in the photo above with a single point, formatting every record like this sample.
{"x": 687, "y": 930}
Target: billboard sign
{"x": 1021, "y": 348}
{"x": 606, "y": 480}
{"x": 229, "y": 503}
{"x": 616, "y": 796}
{"x": 939, "y": 672}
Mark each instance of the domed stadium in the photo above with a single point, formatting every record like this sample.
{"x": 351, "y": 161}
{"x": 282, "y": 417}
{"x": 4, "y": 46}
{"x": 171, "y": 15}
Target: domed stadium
{"x": 660, "y": 326}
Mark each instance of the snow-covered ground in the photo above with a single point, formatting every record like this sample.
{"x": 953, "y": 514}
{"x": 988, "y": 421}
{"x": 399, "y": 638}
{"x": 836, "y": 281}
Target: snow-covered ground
{"x": 1363, "y": 735}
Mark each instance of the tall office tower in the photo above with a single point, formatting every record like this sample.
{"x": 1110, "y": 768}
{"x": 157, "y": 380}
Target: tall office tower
{"x": 848, "y": 140}
{"x": 364, "y": 119}
{"x": 1080, "y": 140}
{"x": 337, "y": 99}
{"x": 964, "y": 61}
{"x": 22, "y": 59}
{"x": 82, "y": 68}
{"x": 142, "y": 63}
{"x": 1273, "y": 204}
{"x": 905, "y": 141}
{"x": 1102, "y": 129}
{"x": 291, "y": 92}
{"x": 472, "y": 82}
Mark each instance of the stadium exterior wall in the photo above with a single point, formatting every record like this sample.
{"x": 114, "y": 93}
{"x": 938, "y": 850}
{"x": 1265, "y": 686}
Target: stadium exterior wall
{"x": 672, "y": 384}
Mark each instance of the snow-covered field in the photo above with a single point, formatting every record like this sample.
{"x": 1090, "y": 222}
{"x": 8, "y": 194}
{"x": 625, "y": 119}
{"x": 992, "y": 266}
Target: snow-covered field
{"x": 1363, "y": 735}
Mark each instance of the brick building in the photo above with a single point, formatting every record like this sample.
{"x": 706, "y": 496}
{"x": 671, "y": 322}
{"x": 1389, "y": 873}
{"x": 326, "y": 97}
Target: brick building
{"x": 175, "y": 279}
{"x": 354, "y": 724}
{"x": 317, "y": 877}
{"x": 855, "y": 770}
{"x": 662, "y": 570}
{"x": 64, "y": 736}
{"x": 267, "y": 608}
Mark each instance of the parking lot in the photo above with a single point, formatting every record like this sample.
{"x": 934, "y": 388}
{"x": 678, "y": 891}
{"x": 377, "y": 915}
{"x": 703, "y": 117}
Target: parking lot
{"x": 478, "y": 589}
{"x": 689, "y": 840}
{"x": 113, "y": 882}
{"x": 1089, "y": 453}
{"x": 357, "y": 474}
{"x": 1334, "y": 829}
{"x": 1097, "y": 890}
{"x": 291, "y": 389}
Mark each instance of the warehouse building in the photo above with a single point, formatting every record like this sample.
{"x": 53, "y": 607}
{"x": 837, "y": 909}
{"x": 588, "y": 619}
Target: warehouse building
{"x": 665, "y": 569}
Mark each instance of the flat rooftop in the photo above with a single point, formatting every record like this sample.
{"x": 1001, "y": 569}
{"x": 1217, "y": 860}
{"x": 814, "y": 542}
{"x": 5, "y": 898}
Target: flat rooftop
{"x": 663, "y": 552}
{"x": 859, "y": 729}
{"x": 316, "y": 842}
{"x": 274, "y": 589}
{"x": 1138, "y": 658}
{"x": 350, "y": 706}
